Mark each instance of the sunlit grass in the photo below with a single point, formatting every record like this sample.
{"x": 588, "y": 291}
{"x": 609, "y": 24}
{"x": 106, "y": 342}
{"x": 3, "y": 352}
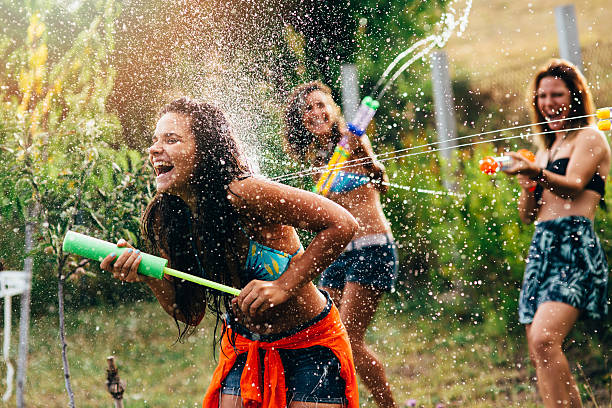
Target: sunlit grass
{"x": 430, "y": 361}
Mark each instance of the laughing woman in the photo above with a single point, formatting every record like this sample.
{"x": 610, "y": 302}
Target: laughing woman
{"x": 368, "y": 266}
{"x": 566, "y": 275}
{"x": 283, "y": 343}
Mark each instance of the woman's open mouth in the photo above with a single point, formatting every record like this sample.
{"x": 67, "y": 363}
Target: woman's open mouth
{"x": 162, "y": 168}
{"x": 555, "y": 116}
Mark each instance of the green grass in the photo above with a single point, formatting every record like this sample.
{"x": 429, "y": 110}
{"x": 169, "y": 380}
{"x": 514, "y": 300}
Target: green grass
{"x": 430, "y": 360}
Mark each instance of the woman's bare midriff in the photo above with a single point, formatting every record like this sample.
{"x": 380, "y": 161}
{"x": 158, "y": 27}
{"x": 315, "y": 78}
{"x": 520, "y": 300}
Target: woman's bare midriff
{"x": 554, "y": 206}
{"x": 364, "y": 204}
{"x": 305, "y": 306}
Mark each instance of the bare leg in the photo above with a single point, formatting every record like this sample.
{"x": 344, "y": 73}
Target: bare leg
{"x": 551, "y": 324}
{"x": 358, "y": 306}
{"x": 231, "y": 401}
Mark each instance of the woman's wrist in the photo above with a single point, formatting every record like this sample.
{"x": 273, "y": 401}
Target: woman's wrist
{"x": 539, "y": 176}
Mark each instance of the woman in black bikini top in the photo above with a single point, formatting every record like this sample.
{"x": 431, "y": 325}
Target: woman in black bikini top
{"x": 566, "y": 272}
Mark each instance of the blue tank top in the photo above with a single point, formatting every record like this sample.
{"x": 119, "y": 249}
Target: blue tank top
{"x": 263, "y": 262}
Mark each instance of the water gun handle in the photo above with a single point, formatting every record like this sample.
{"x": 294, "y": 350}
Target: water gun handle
{"x": 150, "y": 265}
{"x": 363, "y": 117}
{"x": 604, "y": 113}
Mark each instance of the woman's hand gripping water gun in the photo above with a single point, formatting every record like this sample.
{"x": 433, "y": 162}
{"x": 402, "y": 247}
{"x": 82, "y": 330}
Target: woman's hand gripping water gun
{"x": 506, "y": 163}
{"x": 513, "y": 163}
{"x": 135, "y": 266}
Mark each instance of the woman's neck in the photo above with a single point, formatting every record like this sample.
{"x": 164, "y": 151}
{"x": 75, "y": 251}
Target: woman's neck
{"x": 329, "y": 140}
{"x": 189, "y": 196}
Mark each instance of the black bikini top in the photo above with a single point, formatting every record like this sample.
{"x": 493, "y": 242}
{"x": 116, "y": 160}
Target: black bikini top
{"x": 559, "y": 166}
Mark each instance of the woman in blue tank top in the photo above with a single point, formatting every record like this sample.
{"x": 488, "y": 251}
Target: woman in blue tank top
{"x": 368, "y": 267}
{"x": 211, "y": 218}
{"x": 566, "y": 275}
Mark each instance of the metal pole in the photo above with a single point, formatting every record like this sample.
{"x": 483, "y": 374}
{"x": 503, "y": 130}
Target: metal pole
{"x": 24, "y": 319}
{"x": 444, "y": 107}
{"x": 350, "y": 90}
{"x": 6, "y": 348}
{"x": 567, "y": 33}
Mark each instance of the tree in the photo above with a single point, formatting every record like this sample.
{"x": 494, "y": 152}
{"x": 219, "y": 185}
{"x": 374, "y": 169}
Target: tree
{"x": 55, "y": 138}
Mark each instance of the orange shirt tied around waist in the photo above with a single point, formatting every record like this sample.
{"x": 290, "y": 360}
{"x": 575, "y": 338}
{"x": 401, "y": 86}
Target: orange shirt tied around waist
{"x": 328, "y": 332}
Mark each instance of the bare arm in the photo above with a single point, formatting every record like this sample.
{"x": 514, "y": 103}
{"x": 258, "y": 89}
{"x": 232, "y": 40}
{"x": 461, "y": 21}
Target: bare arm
{"x": 587, "y": 156}
{"x": 377, "y": 169}
{"x": 527, "y": 206}
{"x": 275, "y": 203}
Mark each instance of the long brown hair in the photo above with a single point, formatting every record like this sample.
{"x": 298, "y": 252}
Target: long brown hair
{"x": 581, "y": 102}
{"x": 170, "y": 228}
{"x": 298, "y": 139}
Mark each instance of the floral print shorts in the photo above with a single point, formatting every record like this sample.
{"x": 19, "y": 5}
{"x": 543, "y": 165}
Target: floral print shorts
{"x": 566, "y": 263}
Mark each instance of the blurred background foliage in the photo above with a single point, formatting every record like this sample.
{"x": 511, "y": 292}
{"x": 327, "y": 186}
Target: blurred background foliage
{"x": 81, "y": 82}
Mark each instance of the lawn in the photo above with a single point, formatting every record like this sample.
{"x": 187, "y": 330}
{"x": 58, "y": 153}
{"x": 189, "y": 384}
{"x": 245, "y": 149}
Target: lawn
{"x": 431, "y": 357}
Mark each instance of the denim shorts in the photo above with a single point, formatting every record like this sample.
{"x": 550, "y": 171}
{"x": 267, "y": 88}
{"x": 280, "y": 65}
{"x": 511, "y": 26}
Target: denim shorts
{"x": 566, "y": 263}
{"x": 373, "y": 266}
{"x": 312, "y": 374}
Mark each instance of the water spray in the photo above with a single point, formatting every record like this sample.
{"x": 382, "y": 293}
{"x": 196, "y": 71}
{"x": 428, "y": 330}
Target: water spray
{"x": 369, "y": 105}
{"x": 394, "y": 153}
{"x": 423, "y": 47}
{"x": 313, "y": 170}
{"x": 150, "y": 265}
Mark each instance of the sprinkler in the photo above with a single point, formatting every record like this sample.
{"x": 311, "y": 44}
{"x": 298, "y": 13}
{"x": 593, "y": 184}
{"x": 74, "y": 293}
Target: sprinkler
{"x": 492, "y": 165}
{"x": 150, "y": 265}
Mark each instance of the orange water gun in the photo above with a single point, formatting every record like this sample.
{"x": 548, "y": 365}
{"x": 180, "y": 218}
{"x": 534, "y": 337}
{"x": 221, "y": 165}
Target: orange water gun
{"x": 492, "y": 165}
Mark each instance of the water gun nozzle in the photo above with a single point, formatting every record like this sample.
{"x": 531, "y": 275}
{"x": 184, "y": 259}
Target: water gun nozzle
{"x": 604, "y": 113}
{"x": 603, "y": 125}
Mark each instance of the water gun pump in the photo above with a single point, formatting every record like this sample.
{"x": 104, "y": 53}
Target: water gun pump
{"x": 363, "y": 117}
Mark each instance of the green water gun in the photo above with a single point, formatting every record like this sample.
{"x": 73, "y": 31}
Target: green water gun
{"x": 150, "y": 265}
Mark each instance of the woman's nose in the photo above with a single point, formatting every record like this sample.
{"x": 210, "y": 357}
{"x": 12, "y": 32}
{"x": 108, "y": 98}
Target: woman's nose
{"x": 154, "y": 148}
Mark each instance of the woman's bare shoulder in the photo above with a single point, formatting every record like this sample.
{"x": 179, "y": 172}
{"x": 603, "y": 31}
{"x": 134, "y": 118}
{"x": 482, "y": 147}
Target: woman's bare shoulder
{"x": 591, "y": 138}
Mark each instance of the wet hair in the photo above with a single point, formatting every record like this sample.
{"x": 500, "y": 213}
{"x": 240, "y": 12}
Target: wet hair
{"x": 297, "y": 138}
{"x": 171, "y": 229}
{"x": 581, "y": 102}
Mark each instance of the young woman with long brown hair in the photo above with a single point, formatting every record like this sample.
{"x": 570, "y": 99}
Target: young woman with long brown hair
{"x": 566, "y": 274}
{"x": 282, "y": 342}
{"x": 368, "y": 267}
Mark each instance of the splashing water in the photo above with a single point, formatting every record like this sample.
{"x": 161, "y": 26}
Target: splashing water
{"x": 236, "y": 91}
{"x": 447, "y": 24}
